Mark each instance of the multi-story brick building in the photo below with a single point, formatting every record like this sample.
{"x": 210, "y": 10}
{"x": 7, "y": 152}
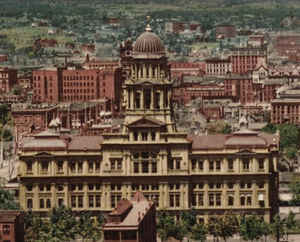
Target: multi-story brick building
{"x": 179, "y": 69}
{"x": 193, "y": 87}
{"x": 286, "y": 108}
{"x": 8, "y": 78}
{"x": 243, "y": 89}
{"x": 287, "y": 45}
{"x": 246, "y": 59}
{"x": 212, "y": 174}
{"x": 217, "y": 67}
{"x": 76, "y": 85}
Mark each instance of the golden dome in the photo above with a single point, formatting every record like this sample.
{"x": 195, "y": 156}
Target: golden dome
{"x": 148, "y": 43}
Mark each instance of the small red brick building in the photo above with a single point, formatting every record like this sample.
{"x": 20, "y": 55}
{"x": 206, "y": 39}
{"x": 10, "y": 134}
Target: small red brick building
{"x": 11, "y": 226}
{"x": 8, "y": 78}
{"x": 226, "y": 31}
{"x": 131, "y": 221}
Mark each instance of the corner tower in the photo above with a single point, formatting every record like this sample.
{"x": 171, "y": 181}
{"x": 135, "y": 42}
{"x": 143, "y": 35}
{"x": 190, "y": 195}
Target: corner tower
{"x": 147, "y": 88}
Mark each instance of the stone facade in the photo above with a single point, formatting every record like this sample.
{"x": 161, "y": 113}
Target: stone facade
{"x": 212, "y": 174}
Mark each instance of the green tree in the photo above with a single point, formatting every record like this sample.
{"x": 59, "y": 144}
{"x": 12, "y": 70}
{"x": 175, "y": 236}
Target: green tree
{"x": 87, "y": 227}
{"x": 290, "y": 223}
{"x": 4, "y": 111}
{"x": 224, "y": 226}
{"x": 251, "y": 228}
{"x": 36, "y": 228}
{"x": 295, "y": 190}
{"x": 269, "y": 128}
{"x": 266, "y": 229}
{"x": 278, "y": 227}
{"x": 7, "y": 201}
{"x": 165, "y": 226}
{"x": 63, "y": 224}
{"x": 199, "y": 232}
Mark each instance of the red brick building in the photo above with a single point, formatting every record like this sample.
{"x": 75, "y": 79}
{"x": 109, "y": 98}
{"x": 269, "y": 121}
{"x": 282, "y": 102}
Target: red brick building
{"x": 217, "y": 67}
{"x": 287, "y": 45}
{"x": 97, "y": 64}
{"x": 11, "y": 226}
{"x": 8, "y": 78}
{"x": 3, "y": 58}
{"x": 225, "y": 31}
{"x": 131, "y": 221}
{"x": 194, "y": 87}
{"x": 243, "y": 89}
{"x": 246, "y": 59}
{"x": 286, "y": 108}
{"x": 77, "y": 85}
{"x": 178, "y": 69}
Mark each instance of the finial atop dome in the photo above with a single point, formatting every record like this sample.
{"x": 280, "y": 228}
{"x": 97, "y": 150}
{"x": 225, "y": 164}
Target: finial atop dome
{"x": 148, "y": 28}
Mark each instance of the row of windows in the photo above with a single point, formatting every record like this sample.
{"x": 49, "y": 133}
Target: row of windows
{"x": 230, "y": 185}
{"x": 144, "y": 159}
{"x": 216, "y": 165}
{"x": 78, "y": 90}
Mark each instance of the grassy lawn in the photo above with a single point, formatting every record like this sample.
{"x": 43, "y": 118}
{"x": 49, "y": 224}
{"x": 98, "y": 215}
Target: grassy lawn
{"x": 24, "y": 36}
{"x": 199, "y": 46}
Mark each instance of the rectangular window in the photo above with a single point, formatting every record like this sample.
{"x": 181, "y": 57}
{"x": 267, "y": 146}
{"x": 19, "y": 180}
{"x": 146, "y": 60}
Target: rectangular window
{"x": 218, "y": 199}
{"x": 261, "y": 164}
{"x": 80, "y": 167}
{"x": 230, "y": 165}
{"x": 145, "y": 167}
{"x": 135, "y": 136}
{"x": 91, "y": 201}
{"x": 6, "y": 229}
{"x": 177, "y": 200}
{"x": 80, "y": 201}
{"x": 200, "y": 165}
{"x": 119, "y": 165}
{"x": 153, "y": 136}
{"x": 91, "y": 167}
{"x": 73, "y": 201}
{"x": 246, "y": 164}
{"x": 211, "y": 165}
{"x": 218, "y": 165}
{"x": 98, "y": 201}
{"x": 178, "y": 164}
{"x": 144, "y": 136}
{"x": 211, "y": 200}
{"x": 194, "y": 164}
{"x": 154, "y": 167}
{"x": 200, "y": 199}
{"x": 135, "y": 167}
{"x": 171, "y": 197}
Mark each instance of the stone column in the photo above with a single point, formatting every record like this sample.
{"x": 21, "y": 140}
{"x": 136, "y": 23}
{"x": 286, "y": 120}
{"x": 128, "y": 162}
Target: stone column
{"x": 53, "y": 195}
{"x": 66, "y": 194}
{"x": 254, "y": 194}
{"x": 142, "y": 99}
{"x": 237, "y": 194}
{"x": 205, "y": 195}
{"x": 85, "y": 196}
{"x": 161, "y": 97}
{"x": 35, "y": 198}
{"x": 152, "y": 98}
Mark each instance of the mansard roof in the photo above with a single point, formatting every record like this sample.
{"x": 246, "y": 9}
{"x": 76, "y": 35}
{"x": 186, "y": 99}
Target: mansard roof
{"x": 243, "y": 138}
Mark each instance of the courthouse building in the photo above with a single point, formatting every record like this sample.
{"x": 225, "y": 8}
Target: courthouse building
{"x": 210, "y": 173}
